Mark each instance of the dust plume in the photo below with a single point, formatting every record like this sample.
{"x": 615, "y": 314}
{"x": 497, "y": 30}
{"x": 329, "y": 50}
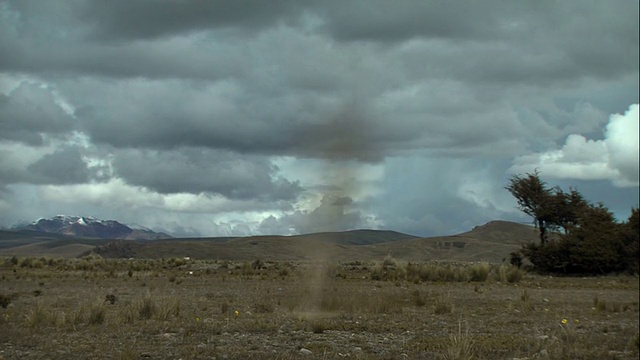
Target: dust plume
{"x": 348, "y": 143}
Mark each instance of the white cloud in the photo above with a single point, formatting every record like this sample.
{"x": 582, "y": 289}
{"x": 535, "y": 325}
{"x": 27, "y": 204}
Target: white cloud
{"x": 615, "y": 158}
{"x": 622, "y": 143}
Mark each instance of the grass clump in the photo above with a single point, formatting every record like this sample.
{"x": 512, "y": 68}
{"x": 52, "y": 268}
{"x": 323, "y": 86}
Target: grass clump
{"x": 168, "y": 308}
{"x": 479, "y": 272}
{"x": 39, "y": 316}
{"x": 147, "y": 308}
{"x": 525, "y": 301}
{"x": 318, "y": 326}
{"x": 418, "y": 299}
{"x": 97, "y": 313}
{"x": 460, "y": 346}
{"x": 510, "y": 274}
{"x": 443, "y": 305}
{"x": 389, "y": 270}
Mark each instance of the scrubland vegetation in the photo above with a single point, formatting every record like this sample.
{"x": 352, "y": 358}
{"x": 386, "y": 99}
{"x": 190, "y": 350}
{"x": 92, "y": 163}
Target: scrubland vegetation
{"x": 387, "y": 309}
{"x": 576, "y": 236}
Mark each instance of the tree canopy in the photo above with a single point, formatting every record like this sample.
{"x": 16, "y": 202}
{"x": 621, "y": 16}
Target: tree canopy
{"x": 591, "y": 241}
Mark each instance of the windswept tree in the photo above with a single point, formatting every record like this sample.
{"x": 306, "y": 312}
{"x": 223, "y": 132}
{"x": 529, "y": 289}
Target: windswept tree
{"x": 592, "y": 240}
{"x": 566, "y": 209}
{"x": 535, "y": 200}
{"x": 551, "y": 208}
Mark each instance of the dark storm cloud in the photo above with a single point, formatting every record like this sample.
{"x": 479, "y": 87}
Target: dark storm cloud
{"x": 185, "y": 106}
{"x": 399, "y": 21}
{"x": 504, "y": 43}
{"x": 204, "y": 171}
{"x": 167, "y": 115}
{"x": 30, "y": 111}
{"x": 140, "y": 19}
{"x": 64, "y": 166}
{"x": 542, "y": 34}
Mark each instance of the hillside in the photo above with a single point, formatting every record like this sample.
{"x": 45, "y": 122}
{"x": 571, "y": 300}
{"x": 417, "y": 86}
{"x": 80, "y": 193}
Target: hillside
{"x": 37, "y": 243}
{"x": 492, "y": 242}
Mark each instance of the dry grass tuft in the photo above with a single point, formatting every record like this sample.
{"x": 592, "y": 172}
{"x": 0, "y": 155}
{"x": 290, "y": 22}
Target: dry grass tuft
{"x": 443, "y": 305}
{"x": 460, "y": 346}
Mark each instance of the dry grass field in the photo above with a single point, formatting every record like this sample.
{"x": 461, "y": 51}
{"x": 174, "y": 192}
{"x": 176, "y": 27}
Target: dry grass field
{"x": 387, "y": 309}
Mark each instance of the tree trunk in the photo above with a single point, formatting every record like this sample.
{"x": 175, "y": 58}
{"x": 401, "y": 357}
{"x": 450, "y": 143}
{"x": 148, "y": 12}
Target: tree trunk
{"x": 543, "y": 231}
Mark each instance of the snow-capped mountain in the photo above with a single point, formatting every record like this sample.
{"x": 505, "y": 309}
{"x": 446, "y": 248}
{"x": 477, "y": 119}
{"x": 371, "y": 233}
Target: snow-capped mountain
{"x": 87, "y": 226}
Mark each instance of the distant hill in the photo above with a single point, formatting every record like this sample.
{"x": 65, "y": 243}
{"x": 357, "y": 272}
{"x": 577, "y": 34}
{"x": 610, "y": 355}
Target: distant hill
{"x": 357, "y": 237}
{"x": 296, "y": 247}
{"x": 90, "y": 227}
{"x": 491, "y": 242}
{"x": 36, "y": 243}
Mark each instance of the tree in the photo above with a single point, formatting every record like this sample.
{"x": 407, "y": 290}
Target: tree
{"x": 592, "y": 241}
{"x": 535, "y": 200}
{"x": 630, "y": 235}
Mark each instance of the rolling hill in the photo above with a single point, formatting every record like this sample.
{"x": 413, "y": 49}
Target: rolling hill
{"x": 491, "y": 242}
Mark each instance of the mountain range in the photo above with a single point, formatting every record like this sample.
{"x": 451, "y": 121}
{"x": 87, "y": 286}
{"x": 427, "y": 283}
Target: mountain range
{"x": 69, "y": 237}
{"x": 90, "y": 227}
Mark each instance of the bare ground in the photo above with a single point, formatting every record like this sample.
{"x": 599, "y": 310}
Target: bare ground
{"x": 114, "y": 309}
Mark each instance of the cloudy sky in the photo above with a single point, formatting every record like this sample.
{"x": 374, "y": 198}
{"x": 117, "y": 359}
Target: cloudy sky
{"x": 222, "y": 118}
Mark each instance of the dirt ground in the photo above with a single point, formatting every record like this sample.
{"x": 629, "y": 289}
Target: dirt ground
{"x": 185, "y": 309}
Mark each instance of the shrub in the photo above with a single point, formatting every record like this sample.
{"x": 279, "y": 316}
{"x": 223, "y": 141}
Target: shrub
{"x": 147, "y": 308}
{"x": 515, "y": 259}
{"x": 443, "y": 306}
{"x": 96, "y": 313}
{"x": 318, "y": 326}
{"x": 479, "y": 272}
{"x": 27, "y": 262}
{"x": 418, "y": 299}
{"x": 257, "y": 264}
{"x": 5, "y": 300}
{"x": 389, "y": 261}
{"x": 247, "y": 269}
{"x": 283, "y": 272}
{"x": 111, "y": 299}
{"x": 514, "y": 274}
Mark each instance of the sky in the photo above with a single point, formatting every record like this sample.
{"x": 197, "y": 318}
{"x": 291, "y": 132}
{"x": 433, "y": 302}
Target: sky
{"x": 231, "y": 118}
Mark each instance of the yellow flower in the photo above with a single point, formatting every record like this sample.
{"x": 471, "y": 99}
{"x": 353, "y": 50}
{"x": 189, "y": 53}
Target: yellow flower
{"x": 237, "y": 313}
{"x": 564, "y": 321}
{"x": 577, "y": 321}
{"x": 197, "y": 319}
